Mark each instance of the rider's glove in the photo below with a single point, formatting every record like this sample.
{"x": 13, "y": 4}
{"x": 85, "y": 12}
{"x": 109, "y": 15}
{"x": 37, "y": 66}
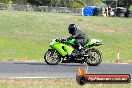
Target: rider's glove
{"x": 64, "y": 39}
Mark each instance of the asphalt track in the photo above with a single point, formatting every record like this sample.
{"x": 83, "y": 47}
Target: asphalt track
{"x": 42, "y": 70}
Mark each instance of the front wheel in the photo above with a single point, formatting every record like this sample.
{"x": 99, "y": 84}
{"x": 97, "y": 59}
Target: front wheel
{"x": 94, "y": 57}
{"x": 52, "y": 57}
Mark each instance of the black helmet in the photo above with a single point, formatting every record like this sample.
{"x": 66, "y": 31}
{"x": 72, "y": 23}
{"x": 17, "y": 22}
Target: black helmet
{"x": 72, "y": 28}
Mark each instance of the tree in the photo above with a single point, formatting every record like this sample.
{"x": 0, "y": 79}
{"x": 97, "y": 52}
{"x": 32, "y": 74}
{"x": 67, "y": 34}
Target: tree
{"x": 125, "y": 3}
{"x": 109, "y": 2}
{"x": 120, "y": 3}
{"x": 19, "y": 1}
{"x": 39, "y": 2}
{"x": 5, "y": 1}
{"x": 55, "y": 3}
{"x": 61, "y": 3}
{"x": 77, "y": 5}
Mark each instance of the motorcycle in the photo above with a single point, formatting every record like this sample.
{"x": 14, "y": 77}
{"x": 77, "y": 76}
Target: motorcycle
{"x": 62, "y": 51}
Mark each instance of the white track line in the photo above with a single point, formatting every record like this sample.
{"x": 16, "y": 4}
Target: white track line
{"x": 122, "y": 63}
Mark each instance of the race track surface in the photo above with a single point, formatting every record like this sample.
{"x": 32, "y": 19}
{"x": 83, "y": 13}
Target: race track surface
{"x": 42, "y": 70}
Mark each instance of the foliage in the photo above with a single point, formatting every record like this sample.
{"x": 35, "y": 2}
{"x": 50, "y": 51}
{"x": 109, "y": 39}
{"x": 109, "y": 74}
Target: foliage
{"x": 71, "y": 3}
{"x": 19, "y": 1}
{"x": 77, "y": 5}
{"x": 112, "y": 3}
{"x": 56, "y": 3}
{"x": 120, "y": 3}
{"x": 5, "y": 1}
{"x": 130, "y": 7}
{"x": 127, "y": 3}
{"x": 94, "y": 2}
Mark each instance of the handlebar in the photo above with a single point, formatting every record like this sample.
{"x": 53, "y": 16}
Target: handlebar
{"x": 62, "y": 40}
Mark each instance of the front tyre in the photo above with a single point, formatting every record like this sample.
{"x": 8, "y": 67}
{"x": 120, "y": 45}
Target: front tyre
{"x": 94, "y": 58}
{"x": 52, "y": 57}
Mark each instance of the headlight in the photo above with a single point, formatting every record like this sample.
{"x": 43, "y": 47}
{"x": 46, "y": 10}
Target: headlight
{"x": 52, "y": 42}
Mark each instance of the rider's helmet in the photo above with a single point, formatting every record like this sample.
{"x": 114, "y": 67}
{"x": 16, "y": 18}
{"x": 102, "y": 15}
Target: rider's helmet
{"x": 72, "y": 28}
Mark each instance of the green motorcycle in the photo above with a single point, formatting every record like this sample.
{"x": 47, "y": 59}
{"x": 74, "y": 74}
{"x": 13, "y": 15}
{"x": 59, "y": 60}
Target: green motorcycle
{"x": 60, "y": 50}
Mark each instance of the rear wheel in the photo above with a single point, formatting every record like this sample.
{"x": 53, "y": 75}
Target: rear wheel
{"x": 52, "y": 57}
{"x": 94, "y": 57}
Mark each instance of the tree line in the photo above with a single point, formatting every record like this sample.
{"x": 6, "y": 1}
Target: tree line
{"x": 69, "y": 3}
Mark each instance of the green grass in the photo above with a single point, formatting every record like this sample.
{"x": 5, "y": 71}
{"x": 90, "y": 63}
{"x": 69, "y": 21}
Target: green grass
{"x": 27, "y": 34}
{"x": 54, "y": 83}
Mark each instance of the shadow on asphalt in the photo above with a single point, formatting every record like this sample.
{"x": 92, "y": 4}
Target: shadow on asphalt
{"x": 61, "y": 64}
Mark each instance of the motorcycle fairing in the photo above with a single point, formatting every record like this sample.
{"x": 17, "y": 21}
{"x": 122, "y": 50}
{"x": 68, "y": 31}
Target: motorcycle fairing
{"x": 62, "y": 48}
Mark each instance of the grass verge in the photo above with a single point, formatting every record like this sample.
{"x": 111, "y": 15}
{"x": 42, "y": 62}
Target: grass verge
{"x": 54, "y": 83}
{"x": 26, "y": 35}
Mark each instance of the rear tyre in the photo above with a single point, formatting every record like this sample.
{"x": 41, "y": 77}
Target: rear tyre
{"x": 95, "y": 57}
{"x": 52, "y": 57}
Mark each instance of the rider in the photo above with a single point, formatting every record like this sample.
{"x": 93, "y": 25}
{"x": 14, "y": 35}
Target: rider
{"x": 79, "y": 36}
